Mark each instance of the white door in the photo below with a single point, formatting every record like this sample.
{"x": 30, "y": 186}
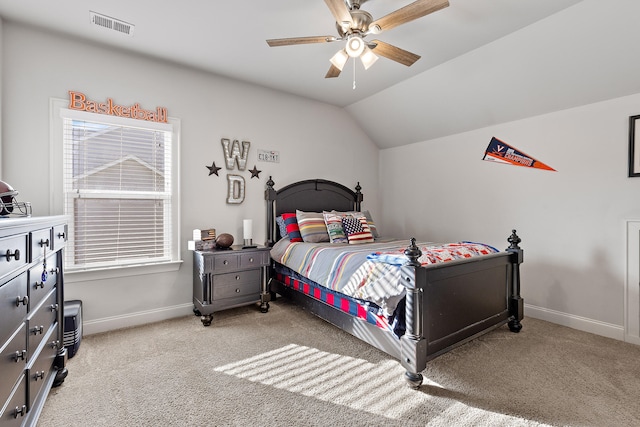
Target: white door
{"x": 632, "y": 285}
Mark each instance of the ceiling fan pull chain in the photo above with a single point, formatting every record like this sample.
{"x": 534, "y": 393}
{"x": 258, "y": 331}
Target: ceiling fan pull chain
{"x": 354, "y": 74}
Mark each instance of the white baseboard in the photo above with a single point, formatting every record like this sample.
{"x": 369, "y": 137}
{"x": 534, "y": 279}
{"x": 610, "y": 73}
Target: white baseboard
{"x": 608, "y": 330}
{"x": 135, "y": 319}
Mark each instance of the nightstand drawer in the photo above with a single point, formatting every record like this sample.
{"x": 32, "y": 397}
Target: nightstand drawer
{"x": 226, "y": 262}
{"x": 254, "y": 259}
{"x": 238, "y": 284}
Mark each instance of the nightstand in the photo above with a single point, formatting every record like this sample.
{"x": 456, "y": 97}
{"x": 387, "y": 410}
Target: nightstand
{"x": 227, "y": 278}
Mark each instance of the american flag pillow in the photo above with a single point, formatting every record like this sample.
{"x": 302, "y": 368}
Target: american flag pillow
{"x": 357, "y": 230}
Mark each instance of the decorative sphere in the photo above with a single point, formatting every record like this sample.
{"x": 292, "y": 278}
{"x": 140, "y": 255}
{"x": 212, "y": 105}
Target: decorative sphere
{"x": 224, "y": 240}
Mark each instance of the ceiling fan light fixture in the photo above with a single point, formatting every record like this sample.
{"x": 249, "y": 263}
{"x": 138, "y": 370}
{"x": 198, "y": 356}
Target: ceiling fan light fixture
{"x": 339, "y": 59}
{"x": 355, "y": 46}
{"x": 368, "y": 58}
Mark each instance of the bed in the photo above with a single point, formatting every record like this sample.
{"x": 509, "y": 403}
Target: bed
{"x": 442, "y": 306}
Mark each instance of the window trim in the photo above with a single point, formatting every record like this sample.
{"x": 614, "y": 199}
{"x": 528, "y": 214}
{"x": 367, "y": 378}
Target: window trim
{"x": 56, "y": 200}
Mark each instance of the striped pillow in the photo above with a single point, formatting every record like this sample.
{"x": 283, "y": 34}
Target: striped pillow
{"x": 293, "y": 231}
{"x": 312, "y": 227}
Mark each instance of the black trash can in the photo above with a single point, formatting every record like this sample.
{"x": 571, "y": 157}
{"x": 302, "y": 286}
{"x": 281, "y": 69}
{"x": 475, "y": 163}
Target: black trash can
{"x": 72, "y": 326}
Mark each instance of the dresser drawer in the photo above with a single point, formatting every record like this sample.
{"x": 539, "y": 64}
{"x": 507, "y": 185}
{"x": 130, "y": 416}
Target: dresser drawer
{"x": 59, "y": 236}
{"x": 16, "y": 409}
{"x": 13, "y": 305}
{"x": 42, "y": 368}
{"x": 40, "y": 243}
{"x": 13, "y": 360}
{"x": 13, "y": 253}
{"x": 38, "y": 288}
{"x": 40, "y": 321}
{"x": 231, "y": 285}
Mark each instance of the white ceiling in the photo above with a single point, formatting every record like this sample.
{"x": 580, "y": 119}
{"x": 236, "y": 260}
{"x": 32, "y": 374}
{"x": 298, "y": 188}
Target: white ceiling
{"x": 228, "y": 38}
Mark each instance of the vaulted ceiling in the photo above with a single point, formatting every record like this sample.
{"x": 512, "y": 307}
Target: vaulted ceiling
{"x": 482, "y": 61}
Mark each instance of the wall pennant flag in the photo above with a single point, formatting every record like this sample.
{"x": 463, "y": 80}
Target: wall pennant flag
{"x": 500, "y": 152}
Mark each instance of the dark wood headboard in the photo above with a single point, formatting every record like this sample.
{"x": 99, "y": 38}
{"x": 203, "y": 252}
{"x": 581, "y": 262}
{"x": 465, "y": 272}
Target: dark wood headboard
{"x": 312, "y": 195}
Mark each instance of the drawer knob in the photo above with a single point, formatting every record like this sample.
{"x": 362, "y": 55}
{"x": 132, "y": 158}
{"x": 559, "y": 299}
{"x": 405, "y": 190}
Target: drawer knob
{"x": 237, "y": 278}
{"x": 24, "y": 301}
{"x": 20, "y": 410}
{"x": 44, "y": 242}
{"x": 251, "y": 260}
{"x": 38, "y": 375}
{"x": 20, "y": 355}
{"x": 37, "y": 330}
{"x": 237, "y": 291}
{"x": 15, "y": 254}
{"x": 225, "y": 262}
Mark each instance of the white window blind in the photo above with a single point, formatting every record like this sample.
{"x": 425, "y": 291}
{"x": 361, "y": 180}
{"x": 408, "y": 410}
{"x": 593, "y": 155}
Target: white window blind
{"x": 117, "y": 188}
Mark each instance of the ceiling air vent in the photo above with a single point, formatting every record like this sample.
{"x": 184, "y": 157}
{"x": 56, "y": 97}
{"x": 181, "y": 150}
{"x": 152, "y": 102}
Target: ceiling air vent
{"x": 111, "y": 23}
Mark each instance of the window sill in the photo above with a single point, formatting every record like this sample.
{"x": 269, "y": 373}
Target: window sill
{"x": 71, "y": 276}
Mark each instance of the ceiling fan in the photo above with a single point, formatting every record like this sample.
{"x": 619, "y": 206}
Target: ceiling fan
{"x": 354, "y": 25}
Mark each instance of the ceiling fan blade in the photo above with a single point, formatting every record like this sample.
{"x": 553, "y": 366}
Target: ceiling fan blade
{"x": 333, "y": 72}
{"x": 340, "y": 11}
{"x": 300, "y": 40}
{"x": 394, "y": 53}
{"x": 412, "y": 11}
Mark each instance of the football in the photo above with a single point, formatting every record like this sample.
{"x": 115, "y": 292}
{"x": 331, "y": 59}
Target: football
{"x": 224, "y": 240}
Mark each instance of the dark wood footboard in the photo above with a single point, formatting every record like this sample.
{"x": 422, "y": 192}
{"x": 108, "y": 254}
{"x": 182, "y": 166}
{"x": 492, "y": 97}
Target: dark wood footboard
{"x": 451, "y": 303}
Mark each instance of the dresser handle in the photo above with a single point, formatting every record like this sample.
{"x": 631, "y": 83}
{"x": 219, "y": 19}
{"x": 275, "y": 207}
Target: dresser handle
{"x": 20, "y": 411}
{"x": 38, "y": 285}
{"x": 20, "y": 355}
{"x": 237, "y": 291}
{"x": 24, "y": 301}
{"x": 251, "y": 260}
{"x": 15, "y": 254}
{"x": 225, "y": 262}
{"x": 55, "y": 344}
{"x": 54, "y": 307}
{"x": 38, "y": 374}
{"x": 54, "y": 270}
{"x": 37, "y": 330}
{"x": 44, "y": 242}
{"x": 237, "y": 278}
{"x": 61, "y": 235}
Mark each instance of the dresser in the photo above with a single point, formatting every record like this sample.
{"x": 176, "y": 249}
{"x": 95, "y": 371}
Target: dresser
{"x": 32, "y": 352}
{"x": 226, "y": 278}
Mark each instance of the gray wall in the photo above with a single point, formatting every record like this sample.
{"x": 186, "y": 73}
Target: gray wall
{"x": 572, "y": 222}
{"x": 315, "y": 140}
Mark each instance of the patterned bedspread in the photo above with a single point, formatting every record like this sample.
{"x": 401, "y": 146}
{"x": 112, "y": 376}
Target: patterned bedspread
{"x": 371, "y": 271}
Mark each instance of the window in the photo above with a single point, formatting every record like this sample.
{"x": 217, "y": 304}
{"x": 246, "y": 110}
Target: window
{"x": 119, "y": 186}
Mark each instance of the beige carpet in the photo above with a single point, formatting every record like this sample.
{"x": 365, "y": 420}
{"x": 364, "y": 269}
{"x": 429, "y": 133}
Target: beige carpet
{"x": 288, "y": 368}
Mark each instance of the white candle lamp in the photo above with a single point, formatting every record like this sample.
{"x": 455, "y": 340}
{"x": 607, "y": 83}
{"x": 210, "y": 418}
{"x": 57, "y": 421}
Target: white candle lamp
{"x": 247, "y": 228}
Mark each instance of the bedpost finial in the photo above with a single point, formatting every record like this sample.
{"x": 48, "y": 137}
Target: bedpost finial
{"x": 413, "y": 252}
{"x": 514, "y": 240}
{"x": 270, "y": 182}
